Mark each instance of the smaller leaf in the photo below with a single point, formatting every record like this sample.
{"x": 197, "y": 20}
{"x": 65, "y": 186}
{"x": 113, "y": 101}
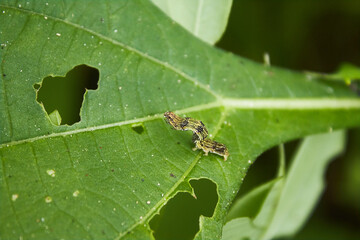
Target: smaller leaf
{"x": 304, "y": 182}
{"x": 251, "y": 203}
{"x": 240, "y": 228}
{"x": 55, "y": 117}
{"x": 347, "y": 72}
{"x": 290, "y": 199}
{"x": 207, "y": 20}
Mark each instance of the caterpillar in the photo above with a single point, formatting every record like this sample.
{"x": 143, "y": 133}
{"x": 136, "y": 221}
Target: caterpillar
{"x": 199, "y": 134}
{"x": 208, "y": 145}
{"x": 184, "y": 124}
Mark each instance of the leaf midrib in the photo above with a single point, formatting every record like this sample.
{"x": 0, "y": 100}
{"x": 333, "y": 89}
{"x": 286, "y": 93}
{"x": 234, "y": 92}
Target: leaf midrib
{"x": 229, "y": 103}
{"x": 198, "y": 18}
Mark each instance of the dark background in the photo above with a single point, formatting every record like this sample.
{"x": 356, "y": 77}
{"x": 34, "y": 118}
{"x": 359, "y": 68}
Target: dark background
{"x": 313, "y": 35}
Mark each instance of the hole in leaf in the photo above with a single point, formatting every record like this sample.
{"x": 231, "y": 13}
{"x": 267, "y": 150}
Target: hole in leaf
{"x": 139, "y": 128}
{"x": 36, "y": 86}
{"x": 179, "y": 218}
{"x": 62, "y": 97}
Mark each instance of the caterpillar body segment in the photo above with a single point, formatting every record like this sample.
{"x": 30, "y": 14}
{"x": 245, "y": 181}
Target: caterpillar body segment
{"x": 186, "y": 124}
{"x": 208, "y": 145}
{"x": 200, "y": 134}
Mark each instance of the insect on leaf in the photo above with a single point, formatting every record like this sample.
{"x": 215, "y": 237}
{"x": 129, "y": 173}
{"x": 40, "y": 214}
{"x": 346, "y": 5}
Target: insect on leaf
{"x": 100, "y": 178}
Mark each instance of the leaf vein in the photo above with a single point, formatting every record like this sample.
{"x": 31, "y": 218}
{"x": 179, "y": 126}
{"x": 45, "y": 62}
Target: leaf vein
{"x": 123, "y": 45}
{"x": 269, "y": 104}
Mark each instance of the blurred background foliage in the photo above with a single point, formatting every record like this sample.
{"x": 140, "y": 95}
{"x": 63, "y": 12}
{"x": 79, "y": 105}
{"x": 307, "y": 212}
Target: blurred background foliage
{"x": 309, "y": 35}
{"x": 314, "y": 35}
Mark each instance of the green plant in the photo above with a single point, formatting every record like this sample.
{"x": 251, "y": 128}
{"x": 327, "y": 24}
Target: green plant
{"x": 109, "y": 174}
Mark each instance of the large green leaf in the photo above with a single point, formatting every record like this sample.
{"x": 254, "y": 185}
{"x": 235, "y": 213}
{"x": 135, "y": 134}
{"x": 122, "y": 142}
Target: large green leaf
{"x": 100, "y": 178}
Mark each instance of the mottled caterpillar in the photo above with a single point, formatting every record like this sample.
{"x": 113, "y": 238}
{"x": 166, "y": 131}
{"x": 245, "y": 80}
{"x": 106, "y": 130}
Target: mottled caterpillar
{"x": 179, "y": 123}
{"x": 199, "y": 134}
{"x": 208, "y": 145}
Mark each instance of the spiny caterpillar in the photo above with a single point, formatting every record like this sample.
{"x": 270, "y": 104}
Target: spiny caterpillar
{"x": 199, "y": 136}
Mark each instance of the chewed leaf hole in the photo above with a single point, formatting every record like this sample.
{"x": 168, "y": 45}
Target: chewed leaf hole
{"x": 139, "y": 128}
{"x": 62, "y": 97}
{"x": 36, "y": 86}
{"x": 179, "y": 218}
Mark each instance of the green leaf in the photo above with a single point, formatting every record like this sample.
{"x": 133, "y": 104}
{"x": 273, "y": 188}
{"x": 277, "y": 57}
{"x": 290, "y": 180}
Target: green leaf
{"x": 103, "y": 177}
{"x": 207, "y": 20}
{"x": 250, "y": 204}
{"x": 239, "y": 227}
{"x": 288, "y": 204}
{"x": 55, "y": 117}
{"x": 347, "y": 72}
